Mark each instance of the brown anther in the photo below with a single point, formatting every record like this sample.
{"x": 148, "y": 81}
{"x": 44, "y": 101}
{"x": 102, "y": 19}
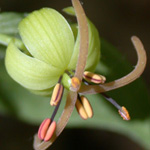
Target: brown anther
{"x": 46, "y": 129}
{"x": 57, "y": 94}
{"x": 95, "y": 78}
{"x": 81, "y": 110}
{"x": 75, "y": 84}
{"x": 87, "y": 106}
{"x": 124, "y": 113}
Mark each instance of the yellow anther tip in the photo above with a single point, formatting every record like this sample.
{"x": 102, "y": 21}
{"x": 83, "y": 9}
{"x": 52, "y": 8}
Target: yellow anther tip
{"x": 124, "y": 113}
{"x": 75, "y": 84}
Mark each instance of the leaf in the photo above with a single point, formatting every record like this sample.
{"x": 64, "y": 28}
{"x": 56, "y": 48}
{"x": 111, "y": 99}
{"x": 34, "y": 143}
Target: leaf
{"x": 9, "y": 28}
{"x": 9, "y": 22}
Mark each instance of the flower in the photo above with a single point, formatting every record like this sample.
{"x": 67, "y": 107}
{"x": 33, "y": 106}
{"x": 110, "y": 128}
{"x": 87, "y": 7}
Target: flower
{"x": 52, "y": 50}
{"x": 47, "y": 58}
{"x": 51, "y": 60}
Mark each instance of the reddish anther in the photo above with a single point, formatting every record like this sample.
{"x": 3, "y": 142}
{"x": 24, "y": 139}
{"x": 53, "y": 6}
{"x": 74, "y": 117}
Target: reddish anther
{"x": 39, "y": 131}
{"x": 43, "y": 128}
{"x": 50, "y": 131}
{"x": 46, "y": 130}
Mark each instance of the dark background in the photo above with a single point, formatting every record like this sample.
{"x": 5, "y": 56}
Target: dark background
{"x": 116, "y": 21}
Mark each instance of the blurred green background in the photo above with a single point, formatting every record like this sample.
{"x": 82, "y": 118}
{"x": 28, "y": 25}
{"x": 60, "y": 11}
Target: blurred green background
{"x": 116, "y": 21}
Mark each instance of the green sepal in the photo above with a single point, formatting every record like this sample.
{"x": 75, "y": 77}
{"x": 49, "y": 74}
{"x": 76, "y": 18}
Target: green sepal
{"x": 28, "y": 71}
{"x": 69, "y": 10}
{"x": 94, "y": 44}
{"x": 46, "y": 92}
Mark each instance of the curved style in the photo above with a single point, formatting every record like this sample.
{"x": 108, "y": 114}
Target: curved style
{"x": 94, "y": 89}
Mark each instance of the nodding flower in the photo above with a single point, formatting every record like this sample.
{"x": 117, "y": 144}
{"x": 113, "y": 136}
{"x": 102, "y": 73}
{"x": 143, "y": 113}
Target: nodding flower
{"x": 54, "y": 55}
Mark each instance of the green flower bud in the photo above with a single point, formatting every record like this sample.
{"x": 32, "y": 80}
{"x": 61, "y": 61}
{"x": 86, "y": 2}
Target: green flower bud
{"x": 53, "y": 47}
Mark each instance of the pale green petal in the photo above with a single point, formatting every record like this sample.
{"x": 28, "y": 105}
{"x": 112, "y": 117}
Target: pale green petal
{"x": 48, "y": 37}
{"x": 75, "y": 53}
{"x": 28, "y": 71}
{"x": 46, "y": 92}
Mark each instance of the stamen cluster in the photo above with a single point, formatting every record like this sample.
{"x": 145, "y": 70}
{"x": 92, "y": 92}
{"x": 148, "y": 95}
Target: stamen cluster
{"x": 83, "y": 106}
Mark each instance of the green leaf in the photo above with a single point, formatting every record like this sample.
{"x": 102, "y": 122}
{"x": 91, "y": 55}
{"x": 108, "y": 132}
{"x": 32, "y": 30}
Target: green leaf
{"x": 9, "y": 22}
{"x": 48, "y": 37}
{"x": 9, "y": 29}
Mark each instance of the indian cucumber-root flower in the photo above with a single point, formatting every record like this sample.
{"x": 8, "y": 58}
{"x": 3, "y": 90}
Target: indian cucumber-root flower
{"x": 57, "y": 54}
{"x": 53, "y": 47}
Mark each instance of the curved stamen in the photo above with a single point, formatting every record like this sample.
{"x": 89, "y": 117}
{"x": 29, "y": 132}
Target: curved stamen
{"x": 121, "y": 109}
{"x": 93, "y": 89}
{"x": 46, "y": 130}
{"x": 72, "y": 96}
